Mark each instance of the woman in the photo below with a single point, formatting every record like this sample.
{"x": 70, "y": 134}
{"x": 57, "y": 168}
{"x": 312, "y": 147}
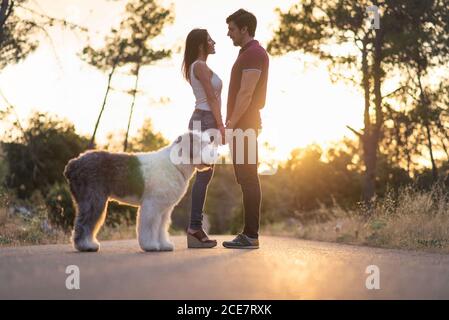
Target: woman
{"x": 206, "y": 86}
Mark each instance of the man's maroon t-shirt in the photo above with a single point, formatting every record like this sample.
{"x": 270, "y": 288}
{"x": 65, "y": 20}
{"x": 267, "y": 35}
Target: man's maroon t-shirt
{"x": 251, "y": 56}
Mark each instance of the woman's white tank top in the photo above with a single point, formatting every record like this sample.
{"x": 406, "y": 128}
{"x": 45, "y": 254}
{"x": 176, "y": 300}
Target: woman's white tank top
{"x": 199, "y": 92}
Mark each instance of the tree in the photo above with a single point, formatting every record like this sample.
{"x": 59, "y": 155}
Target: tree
{"x": 37, "y": 159}
{"x": 428, "y": 21}
{"x": 314, "y": 27}
{"x": 147, "y": 139}
{"x": 104, "y": 59}
{"x": 15, "y": 34}
{"x": 319, "y": 27}
{"x": 421, "y": 49}
{"x": 18, "y": 32}
{"x": 400, "y": 144}
{"x": 130, "y": 45}
{"x": 147, "y": 21}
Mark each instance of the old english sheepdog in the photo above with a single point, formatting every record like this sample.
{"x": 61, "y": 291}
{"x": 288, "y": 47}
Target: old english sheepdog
{"x": 155, "y": 182}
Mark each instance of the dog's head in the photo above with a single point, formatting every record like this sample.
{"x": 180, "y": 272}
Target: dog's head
{"x": 196, "y": 148}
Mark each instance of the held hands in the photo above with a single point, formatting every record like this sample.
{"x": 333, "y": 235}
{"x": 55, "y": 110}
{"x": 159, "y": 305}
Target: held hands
{"x": 222, "y": 128}
{"x": 229, "y": 126}
{"x": 222, "y": 132}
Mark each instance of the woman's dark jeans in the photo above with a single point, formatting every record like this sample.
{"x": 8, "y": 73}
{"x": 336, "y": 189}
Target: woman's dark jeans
{"x": 202, "y": 179}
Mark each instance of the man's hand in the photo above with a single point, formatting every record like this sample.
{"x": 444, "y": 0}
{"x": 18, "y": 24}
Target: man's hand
{"x": 229, "y": 126}
{"x": 222, "y": 133}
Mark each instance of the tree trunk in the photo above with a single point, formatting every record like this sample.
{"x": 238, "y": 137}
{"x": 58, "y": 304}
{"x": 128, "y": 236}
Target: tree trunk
{"x": 446, "y": 151}
{"x": 429, "y": 145}
{"x": 366, "y": 87}
{"x": 425, "y": 102}
{"x": 409, "y": 160}
{"x": 370, "y": 159}
{"x": 125, "y": 144}
{"x": 445, "y": 138}
{"x": 92, "y": 139}
{"x": 373, "y": 141}
{"x": 372, "y": 130}
{"x": 369, "y": 155}
{"x": 5, "y": 11}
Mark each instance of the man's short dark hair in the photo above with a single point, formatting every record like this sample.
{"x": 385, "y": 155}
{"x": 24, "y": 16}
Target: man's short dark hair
{"x": 243, "y": 18}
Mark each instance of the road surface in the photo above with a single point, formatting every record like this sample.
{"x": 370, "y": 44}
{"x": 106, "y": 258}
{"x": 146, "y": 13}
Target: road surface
{"x": 283, "y": 268}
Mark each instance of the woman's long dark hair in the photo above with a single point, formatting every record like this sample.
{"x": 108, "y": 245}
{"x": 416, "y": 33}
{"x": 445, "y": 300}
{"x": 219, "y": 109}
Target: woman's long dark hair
{"x": 194, "y": 40}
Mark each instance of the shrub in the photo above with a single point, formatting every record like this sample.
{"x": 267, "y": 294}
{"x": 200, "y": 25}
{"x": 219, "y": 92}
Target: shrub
{"x": 61, "y": 211}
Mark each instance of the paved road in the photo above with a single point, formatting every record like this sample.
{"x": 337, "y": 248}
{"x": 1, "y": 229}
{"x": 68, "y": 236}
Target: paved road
{"x": 283, "y": 268}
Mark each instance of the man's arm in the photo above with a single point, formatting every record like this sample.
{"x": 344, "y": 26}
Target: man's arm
{"x": 248, "y": 84}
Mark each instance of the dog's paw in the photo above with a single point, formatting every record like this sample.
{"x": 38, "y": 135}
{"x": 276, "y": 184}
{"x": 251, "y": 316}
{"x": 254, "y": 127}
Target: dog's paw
{"x": 150, "y": 246}
{"x": 86, "y": 245}
{"x": 167, "y": 246}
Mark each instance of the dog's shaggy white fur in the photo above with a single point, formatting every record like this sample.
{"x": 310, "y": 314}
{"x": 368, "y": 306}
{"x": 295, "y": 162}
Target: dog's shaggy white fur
{"x": 151, "y": 181}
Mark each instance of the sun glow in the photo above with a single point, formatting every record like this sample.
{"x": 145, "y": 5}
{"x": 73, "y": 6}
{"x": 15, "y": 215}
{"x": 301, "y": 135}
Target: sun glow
{"x": 303, "y": 106}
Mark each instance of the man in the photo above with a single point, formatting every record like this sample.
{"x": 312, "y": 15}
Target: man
{"x": 247, "y": 93}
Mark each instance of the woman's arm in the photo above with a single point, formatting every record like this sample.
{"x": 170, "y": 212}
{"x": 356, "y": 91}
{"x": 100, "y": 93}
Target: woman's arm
{"x": 201, "y": 71}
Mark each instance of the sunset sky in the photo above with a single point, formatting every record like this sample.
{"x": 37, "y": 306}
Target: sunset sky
{"x": 303, "y": 106}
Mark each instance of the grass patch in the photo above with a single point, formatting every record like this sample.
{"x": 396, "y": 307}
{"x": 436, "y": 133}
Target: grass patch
{"x": 19, "y": 230}
{"x": 413, "y": 220}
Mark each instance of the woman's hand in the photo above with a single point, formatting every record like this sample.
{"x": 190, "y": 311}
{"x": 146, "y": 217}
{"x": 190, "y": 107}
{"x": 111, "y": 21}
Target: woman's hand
{"x": 222, "y": 132}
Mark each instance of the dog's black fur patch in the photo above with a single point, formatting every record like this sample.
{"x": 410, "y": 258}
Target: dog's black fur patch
{"x": 94, "y": 177}
{"x": 109, "y": 173}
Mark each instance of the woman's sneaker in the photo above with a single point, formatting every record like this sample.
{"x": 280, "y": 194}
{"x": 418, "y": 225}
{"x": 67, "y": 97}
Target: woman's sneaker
{"x": 242, "y": 241}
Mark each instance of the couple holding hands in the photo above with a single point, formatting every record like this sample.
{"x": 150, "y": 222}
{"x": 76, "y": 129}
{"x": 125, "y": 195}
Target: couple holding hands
{"x": 246, "y": 96}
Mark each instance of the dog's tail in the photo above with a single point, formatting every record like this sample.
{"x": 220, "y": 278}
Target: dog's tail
{"x": 71, "y": 169}
{"x": 75, "y": 176}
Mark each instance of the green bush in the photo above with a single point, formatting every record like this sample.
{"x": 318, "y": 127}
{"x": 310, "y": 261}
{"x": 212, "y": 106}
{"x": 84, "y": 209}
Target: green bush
{"x": 37, "y": 159}
{"x": 61, "y": 211}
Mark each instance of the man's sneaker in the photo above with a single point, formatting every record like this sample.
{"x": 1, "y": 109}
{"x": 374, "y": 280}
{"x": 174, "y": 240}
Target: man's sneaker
{"x": 242, "y": 242}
